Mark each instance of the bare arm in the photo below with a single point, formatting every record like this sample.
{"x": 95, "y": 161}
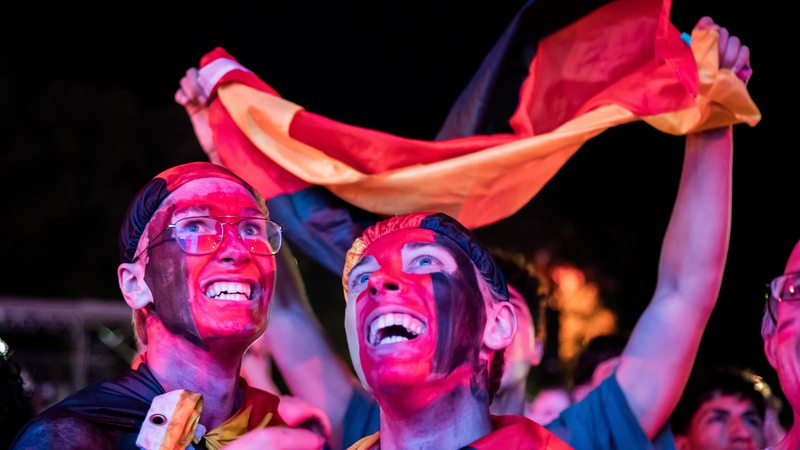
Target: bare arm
{"x": 194, "y": 99}
{"x": 300, "y": 348}
{"x": 659, "y": 356}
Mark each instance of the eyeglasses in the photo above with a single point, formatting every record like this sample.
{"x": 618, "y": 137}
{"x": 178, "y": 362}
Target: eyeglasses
{"x": 783, "y": 288}
{"x": 202, "y": 235}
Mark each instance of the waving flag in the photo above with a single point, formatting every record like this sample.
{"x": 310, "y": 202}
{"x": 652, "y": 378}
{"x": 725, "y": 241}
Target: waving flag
{"x": 621, "y": 62}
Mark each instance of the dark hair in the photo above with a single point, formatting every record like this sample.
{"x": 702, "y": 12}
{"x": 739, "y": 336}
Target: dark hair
{"x": 706, "y": 384}
{"x": 598, "y": 349}
{"x": 534, "y": 286}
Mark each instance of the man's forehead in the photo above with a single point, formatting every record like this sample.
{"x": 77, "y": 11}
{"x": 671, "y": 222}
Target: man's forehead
{"x": 203, "y": 194}
{"x": 399, "y": 241}
{"x": 727, "y": 402}
{"x": 436, "y": 224}
{"x": 402, "y": 239}
{"x": 204, "y": 186}
{"x": 412, "y": 239}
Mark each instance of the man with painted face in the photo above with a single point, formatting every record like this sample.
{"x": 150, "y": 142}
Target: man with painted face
{"x": 780, "y": 330}
{"x": 198, "y": 269}
{"x": 427, "y": 321}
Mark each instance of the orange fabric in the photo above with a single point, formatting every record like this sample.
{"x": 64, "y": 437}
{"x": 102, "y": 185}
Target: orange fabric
{"x": 624, "y": 62}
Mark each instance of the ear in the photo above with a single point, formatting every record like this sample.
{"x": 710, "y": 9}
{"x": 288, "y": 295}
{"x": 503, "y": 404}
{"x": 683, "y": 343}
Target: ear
{"x": 769, "y": 350}
{"x": 681, "y": 443}
{"x": 501, "y": 325}
{"x": 134, "y": 289}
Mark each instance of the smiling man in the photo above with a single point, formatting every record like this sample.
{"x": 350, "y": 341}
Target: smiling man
{"x": 198, "y": 269}
{"x": 427, "y": 320}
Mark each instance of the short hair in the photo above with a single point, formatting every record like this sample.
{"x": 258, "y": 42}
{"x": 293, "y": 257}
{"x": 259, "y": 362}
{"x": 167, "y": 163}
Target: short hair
{"x": 598, "y": 349}
{"x": 706, "y": 384}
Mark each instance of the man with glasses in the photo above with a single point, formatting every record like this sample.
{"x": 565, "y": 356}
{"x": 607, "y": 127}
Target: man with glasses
{"x": 197, "y": 268}
{"x": 780, "y": 329}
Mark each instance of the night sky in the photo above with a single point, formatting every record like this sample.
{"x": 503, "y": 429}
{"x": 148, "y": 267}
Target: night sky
{"x": 88, "y": 116}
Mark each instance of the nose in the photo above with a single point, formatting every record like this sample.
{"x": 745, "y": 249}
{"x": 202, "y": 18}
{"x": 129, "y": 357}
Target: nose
{"x": 381, "y": 282}
{"x": 232, "y": 247}
{"x": 739, "y": 430}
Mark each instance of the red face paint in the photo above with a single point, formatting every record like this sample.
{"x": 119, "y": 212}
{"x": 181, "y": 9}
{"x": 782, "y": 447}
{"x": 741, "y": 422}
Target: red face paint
{"x": 415, "y": 310}
{"x": 221, "y": 294}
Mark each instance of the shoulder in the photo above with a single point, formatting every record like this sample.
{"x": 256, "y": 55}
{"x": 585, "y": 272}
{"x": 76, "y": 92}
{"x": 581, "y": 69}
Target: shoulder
{"x": 62, "y": 433}
{"x": 604, "y": 416}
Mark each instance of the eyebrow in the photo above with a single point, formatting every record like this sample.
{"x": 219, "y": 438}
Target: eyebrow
{"x": 358, "y": 265}
{"x": 418, "y": 245}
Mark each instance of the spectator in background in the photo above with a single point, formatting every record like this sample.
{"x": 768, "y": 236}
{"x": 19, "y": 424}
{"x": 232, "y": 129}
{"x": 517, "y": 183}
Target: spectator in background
{"x": 548, "y": 402}
{"x": 595, "y": 362}
{"x": 722, "y": 408}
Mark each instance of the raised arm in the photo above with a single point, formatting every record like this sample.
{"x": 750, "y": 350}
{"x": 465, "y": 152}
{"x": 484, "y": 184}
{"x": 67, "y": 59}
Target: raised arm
{"x": 659, "y": 356}
{"x": 193, "y": 97}
{"x": 313, "y": 370}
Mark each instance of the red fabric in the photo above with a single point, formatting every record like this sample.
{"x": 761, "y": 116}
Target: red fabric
{"x": 622, "y": 62}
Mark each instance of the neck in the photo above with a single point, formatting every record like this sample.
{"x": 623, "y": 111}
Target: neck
{"x": 450, "y": 421}
{"x": 178, "y": 364}
{"x": 509, "y": 400}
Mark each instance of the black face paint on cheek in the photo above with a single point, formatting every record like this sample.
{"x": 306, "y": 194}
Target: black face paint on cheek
{"x": 460, "y": 313}
{"x": 167, "y": 275}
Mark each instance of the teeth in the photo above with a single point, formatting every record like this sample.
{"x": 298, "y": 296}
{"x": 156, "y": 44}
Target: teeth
{"x": 409, "y": 324}
{"x": 228, "y": 290}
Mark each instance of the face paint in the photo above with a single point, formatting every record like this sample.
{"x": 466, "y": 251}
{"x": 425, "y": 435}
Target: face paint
{"x": 185, "y": 288}
{"x": 167, "y": 275}
{"x": 461, "y": 312}
{"x": 413, "y": 311}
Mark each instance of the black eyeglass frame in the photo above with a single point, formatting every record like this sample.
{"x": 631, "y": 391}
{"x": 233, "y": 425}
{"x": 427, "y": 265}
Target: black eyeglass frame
{"x": 769, "y": 295}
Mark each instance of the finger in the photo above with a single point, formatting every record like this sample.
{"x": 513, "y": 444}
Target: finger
{"x": 705, "y": 22}
{"x": 728, "y": 59}
{"x": 724, "y": 36}
{"x": 191, "y": 86}
{"x": 180, "y": 97}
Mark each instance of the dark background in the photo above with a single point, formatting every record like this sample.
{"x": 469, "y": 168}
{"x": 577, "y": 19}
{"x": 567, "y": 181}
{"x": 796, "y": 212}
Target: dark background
{"x": 87, "y": 116}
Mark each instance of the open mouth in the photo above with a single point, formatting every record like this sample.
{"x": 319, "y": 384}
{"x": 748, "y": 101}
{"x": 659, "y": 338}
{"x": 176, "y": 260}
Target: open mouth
{"x": 394, "y": 327}
{"x": 229, "y": 290}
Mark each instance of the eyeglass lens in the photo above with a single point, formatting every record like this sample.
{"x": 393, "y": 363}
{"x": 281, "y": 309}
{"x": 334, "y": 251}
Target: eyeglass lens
{"x": 202, "y": 235}
{"x": 783, "y": 288}
{"x": 786, "y": 287}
